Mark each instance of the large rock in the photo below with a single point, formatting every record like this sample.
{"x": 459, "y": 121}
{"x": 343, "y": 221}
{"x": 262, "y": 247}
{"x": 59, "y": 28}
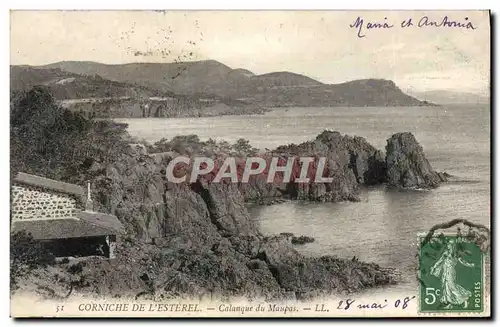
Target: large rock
{"x": 350, "y": 161}
{"x": 407, "y": 166}
{"x": 259, "y": 189}
{"x": 309, "y": 275}
{"x": 227, "y": 208}
{"x": 187, "y": 217}
{"x": 132, "y": 189}
{"x": 366, "y": 162}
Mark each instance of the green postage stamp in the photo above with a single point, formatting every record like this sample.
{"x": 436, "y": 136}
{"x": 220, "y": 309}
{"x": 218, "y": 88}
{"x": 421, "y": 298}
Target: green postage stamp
{"x": 451, "y": 275}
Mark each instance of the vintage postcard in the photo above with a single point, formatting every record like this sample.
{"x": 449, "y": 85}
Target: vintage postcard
{"x": 323, "y": 164}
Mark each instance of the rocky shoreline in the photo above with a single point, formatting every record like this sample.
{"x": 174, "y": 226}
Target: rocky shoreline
{"x": 184, "y": 240}
{"x": 193, "y": 239}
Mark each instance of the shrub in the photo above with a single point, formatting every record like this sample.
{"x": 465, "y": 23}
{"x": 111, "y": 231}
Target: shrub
{"x": 57, "y": 143}
{"x": 302, "y": 239}
{"x": 244, "y": 148}
{"x": 26, "y": 254}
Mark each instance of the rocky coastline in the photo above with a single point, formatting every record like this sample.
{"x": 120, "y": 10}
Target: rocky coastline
{"x": 196, "y": 239}
{"x": 187, "y": 239}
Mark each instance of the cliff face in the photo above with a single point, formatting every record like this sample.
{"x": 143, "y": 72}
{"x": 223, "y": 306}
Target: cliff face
{"x": 136, "y": 190}
{"x": 167, "y": 107}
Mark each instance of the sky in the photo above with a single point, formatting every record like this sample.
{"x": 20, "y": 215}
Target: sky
{"x": 319, "y": 44}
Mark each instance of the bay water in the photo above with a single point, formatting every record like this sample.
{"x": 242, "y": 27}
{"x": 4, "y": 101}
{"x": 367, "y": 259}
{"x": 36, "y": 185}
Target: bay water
{"x": 383, "y": 227}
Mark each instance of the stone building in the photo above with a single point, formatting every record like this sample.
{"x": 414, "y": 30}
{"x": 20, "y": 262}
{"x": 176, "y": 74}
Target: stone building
{"x": 61, "y": 216}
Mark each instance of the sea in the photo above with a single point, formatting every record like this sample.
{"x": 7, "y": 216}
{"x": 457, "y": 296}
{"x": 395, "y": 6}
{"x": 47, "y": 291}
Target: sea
{"x": 383, "y": 227}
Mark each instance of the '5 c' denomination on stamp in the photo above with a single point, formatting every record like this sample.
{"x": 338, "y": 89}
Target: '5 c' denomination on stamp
{"x": 451, "y": 275}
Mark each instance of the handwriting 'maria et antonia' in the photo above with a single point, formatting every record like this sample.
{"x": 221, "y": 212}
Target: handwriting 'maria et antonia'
{"x": 424, "y": 21}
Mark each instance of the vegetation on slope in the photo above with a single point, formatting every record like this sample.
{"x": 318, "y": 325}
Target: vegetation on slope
{"x": 180, "y": 241}
{"x": 54, "y": 142}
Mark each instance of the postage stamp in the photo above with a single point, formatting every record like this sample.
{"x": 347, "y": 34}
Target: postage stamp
{"x": 451, "y": 269}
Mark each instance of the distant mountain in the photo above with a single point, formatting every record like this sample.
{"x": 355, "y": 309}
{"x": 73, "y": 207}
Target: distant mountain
{"x": 211, "y": 79}
{"x": 181, "y": 78}
{"x": 451, "y": 97}
{"x": 359, "y": 93}
{"x": 285, "y": 79}
{"x": 67, "y": 85}
{"x": 103, "y": 98}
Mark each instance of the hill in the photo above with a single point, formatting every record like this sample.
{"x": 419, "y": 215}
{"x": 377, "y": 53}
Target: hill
{"x": 285, "y": 79}
{"x": 68, "y": 85}
{"x": 214, "y": 79}
{"x": 103, "y": 98}
{"x": 181, "y": 78}
{"x": 359, "y": 93}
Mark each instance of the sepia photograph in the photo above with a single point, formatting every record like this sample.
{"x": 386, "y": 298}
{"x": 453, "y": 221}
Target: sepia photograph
{"x": 242, "y": 164}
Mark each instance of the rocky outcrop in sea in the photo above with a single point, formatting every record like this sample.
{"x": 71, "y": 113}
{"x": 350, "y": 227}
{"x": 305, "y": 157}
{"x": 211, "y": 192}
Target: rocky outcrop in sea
{"x": 350, "y": 161}
{"x": 407, "y": 166}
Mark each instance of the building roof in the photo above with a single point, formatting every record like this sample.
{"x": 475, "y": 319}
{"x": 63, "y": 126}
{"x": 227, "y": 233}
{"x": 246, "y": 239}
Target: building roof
{"x": 100, "y": 219}
{"x": 34, "y": 180}
{"x": 48, "y": 229}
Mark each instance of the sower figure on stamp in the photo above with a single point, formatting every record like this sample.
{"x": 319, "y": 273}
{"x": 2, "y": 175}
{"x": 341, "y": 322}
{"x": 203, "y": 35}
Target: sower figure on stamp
{"x": 452, "y": 293}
